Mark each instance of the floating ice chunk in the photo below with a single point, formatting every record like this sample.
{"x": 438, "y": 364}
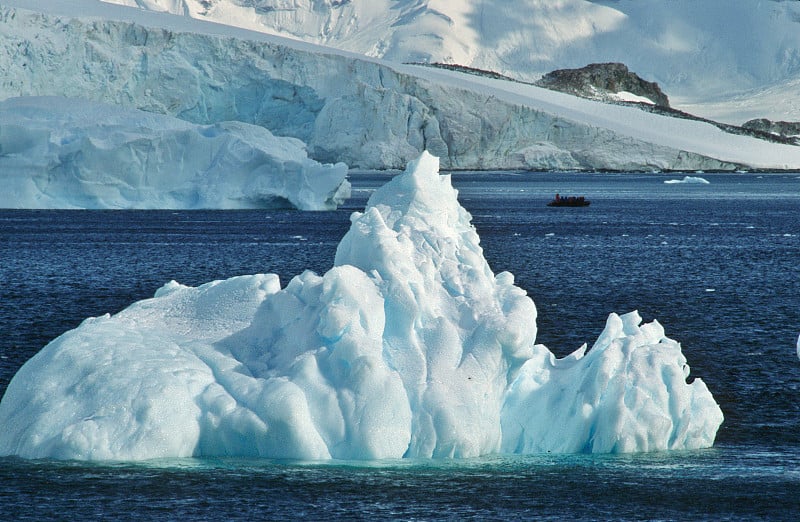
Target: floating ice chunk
{"x": 70, "y": 153}
{"x": 688, "y": 180}
{"x": 409, "y": 347}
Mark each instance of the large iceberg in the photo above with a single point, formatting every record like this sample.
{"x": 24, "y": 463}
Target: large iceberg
{"x": 72, "y": 153}
{"x": 410, "y": 346}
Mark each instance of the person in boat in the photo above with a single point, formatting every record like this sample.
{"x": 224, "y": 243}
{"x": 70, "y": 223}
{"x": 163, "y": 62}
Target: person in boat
{"x": 568, "y": 201}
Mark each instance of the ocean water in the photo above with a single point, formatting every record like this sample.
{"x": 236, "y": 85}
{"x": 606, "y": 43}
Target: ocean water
{"x": 718, "y": 265}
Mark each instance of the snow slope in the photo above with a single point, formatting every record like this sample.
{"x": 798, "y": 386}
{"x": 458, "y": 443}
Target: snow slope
{"x": 71, "y": 153}
{"x": 410, "y": 346}
{"x": 706, "y": 55}
{"x": 364, "y": 112}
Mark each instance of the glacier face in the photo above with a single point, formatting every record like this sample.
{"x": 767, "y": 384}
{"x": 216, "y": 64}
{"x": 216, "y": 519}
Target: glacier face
{"x": 71, "y": 153}
{"x": 362, "y": 112}
{"x": 410, "y": 346}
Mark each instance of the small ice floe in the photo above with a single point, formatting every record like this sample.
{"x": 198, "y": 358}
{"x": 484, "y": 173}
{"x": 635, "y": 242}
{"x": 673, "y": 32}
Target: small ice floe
{"x": 696, "y": 180}
{"x": 709, "y": 290}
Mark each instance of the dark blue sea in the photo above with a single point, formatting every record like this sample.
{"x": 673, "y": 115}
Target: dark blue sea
{"x": 718, "y": 265}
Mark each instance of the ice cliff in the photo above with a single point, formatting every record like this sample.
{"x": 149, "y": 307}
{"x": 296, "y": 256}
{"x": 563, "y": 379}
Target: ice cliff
{"x": 410, "y": 346}
{"x": 71, "y": 153}
{"x": 363, "y": 112}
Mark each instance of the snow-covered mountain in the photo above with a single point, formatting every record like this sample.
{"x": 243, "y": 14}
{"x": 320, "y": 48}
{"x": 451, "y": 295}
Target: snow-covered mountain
{"x": 731, "y": 61}
{"x": 361, "y": 111}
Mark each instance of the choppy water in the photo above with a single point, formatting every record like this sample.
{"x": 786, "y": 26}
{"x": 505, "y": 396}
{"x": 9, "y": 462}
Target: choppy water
{"x": 716, "y": 264}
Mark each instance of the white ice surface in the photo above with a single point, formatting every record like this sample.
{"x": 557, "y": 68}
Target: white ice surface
{"x": 409, "y": 347}
{"x": 691, "y": 180}
{"x": 626, "y": 96}
{"x": 71, "y": 153}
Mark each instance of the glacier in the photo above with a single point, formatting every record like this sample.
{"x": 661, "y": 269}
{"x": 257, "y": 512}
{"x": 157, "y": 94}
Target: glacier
{"x": 409, "y": 346}
{"x": 72, "y": 153}
{"x": 726, "y": 61}
{"x": 365, "y": 112}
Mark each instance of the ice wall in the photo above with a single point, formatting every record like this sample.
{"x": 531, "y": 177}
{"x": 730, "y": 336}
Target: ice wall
{"x": 410, "y": 346}
{"x": 362, "y": 112}
{"x": 71, "y": 153}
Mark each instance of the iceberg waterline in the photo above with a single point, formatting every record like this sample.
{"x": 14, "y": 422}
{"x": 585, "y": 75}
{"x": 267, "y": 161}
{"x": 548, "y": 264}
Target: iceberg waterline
{"x": 410, "y": 346}
{"x": 72, "y": 153}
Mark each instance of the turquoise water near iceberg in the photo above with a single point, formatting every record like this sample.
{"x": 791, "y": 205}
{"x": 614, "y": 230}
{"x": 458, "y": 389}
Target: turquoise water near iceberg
{"x": 717, "y": 265}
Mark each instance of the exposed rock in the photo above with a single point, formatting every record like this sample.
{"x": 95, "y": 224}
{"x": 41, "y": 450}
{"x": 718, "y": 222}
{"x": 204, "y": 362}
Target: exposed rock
{"x": 785, "y": 129}
{"x": 468, "y": 70}
{"x": 602, "y": 81}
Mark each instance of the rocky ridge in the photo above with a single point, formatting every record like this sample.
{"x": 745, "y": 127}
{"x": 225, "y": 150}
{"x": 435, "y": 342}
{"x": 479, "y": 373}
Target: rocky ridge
{"x": 600, "y": 81}
{"x": 784, "y": 129}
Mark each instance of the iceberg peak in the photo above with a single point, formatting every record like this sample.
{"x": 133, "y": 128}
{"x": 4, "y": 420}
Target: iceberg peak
{"x": 408, "y": 347}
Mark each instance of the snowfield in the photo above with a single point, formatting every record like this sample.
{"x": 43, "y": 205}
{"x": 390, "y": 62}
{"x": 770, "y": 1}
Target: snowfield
{"x": 364, "y": 112}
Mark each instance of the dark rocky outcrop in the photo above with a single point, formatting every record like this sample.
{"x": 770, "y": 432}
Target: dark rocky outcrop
{"x": 785, "y": 129}
{"x": 597, "y": 80}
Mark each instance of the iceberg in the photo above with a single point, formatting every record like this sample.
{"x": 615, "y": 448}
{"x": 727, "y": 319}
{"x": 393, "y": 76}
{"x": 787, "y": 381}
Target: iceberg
{"x": 71, "y": 153}
{"x": 410, "y": 346}
{"x": 688, "y": 180}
